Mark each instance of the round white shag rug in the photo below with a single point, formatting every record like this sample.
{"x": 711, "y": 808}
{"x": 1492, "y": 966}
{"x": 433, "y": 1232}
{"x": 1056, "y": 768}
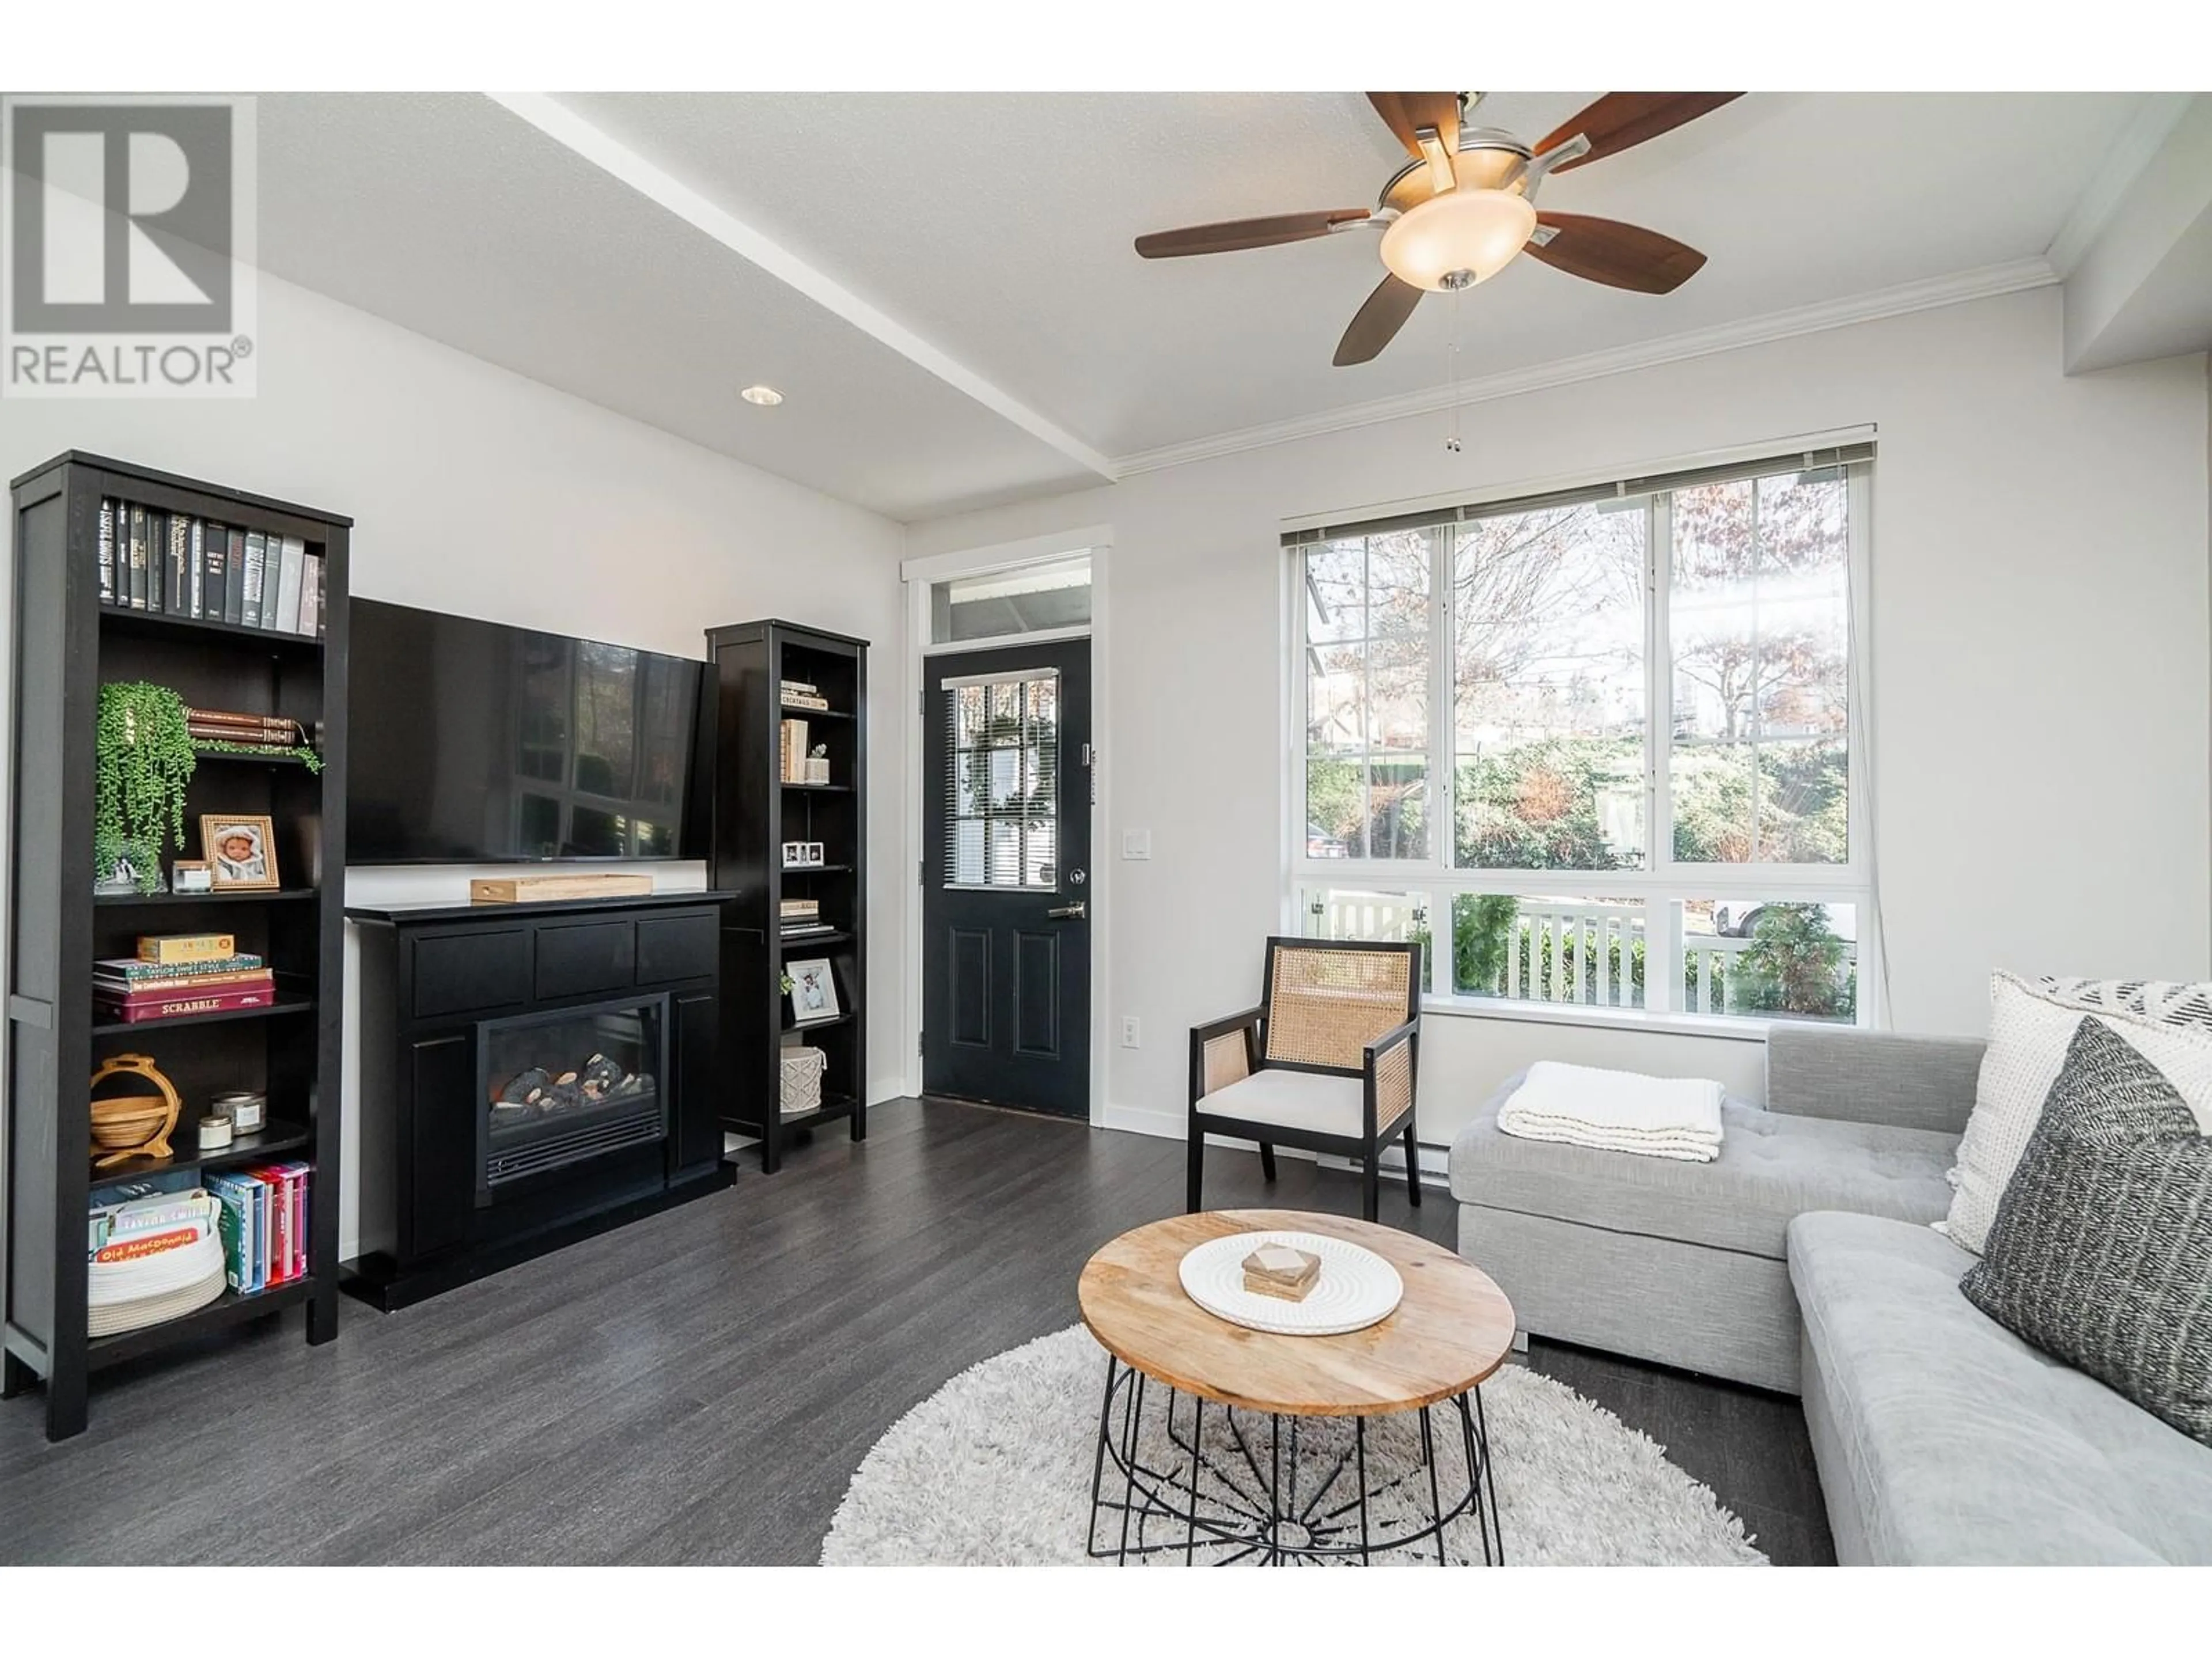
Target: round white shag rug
{"x": 994, "y": 1469}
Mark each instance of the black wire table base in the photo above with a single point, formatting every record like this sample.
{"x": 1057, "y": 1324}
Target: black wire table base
{"x": 1220, "y": 1486}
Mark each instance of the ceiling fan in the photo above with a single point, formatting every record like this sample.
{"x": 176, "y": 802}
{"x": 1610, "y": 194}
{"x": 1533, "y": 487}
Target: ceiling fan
{"x": 1465, "y": 205}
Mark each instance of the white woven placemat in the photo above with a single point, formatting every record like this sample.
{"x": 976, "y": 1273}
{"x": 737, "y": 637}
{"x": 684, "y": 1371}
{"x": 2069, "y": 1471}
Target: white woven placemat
{"x": 1357, "y": 1288}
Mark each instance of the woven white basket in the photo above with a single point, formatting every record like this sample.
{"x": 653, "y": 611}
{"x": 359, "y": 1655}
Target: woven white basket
{"x": 802, "y": 1080}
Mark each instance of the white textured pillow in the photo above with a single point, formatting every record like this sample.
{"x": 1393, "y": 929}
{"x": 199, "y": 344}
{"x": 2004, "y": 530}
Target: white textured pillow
{"x": 2030, "y": 1027}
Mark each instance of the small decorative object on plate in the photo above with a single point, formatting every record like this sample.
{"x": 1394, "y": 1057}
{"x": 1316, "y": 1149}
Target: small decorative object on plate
{"x": 248, "y": 1110}
{"x": 1278, "y": 1270}
{"x": 240, "y": 852}
{"x": 214, "y": 1130}
{"x": 191, "y": 876}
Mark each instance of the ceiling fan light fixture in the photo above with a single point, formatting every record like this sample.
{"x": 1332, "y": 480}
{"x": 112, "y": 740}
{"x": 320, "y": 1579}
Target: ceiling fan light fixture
{"x": 1458, "y": 239}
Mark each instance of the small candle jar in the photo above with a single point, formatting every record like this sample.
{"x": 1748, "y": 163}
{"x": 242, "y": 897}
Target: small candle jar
{"x": 214, "y": 1130}
{"x": 248, "y": 1111}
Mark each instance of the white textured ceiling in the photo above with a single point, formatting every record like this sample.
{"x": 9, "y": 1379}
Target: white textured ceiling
{"x": 997, "y": 227}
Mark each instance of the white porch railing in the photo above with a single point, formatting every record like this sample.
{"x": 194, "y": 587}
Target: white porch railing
{"x": 1583, "y": 954}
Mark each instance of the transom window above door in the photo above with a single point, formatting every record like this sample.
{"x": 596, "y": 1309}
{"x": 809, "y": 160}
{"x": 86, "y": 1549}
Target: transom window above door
{"x": 1585, "y": 733}
{"x": 1002, "y": 798}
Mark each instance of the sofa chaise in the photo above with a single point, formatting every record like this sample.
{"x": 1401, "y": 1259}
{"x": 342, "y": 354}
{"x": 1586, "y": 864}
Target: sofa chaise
{"x": 1801, "y": 1259}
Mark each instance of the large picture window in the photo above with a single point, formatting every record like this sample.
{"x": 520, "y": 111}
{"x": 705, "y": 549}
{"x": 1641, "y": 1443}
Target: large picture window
{"x": 1596, "y": 748}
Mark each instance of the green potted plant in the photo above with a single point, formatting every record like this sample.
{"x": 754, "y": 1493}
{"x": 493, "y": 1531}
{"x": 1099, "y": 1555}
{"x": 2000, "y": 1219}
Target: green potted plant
{"x": 144, "y": 762}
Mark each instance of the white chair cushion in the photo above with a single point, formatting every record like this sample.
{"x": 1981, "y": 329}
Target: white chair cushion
{"x": 1312, "y": 1100}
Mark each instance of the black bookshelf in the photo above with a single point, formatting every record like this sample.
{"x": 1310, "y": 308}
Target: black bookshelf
{"x": 67, "y": 644}
{"x": 753, "y": 811}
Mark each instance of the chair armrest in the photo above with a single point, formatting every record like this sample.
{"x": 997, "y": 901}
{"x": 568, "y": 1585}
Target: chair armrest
{"x": 1215, "y": 1063}
{"x": 1391, "y": 1038}
{"x": 1390, "y": 1063}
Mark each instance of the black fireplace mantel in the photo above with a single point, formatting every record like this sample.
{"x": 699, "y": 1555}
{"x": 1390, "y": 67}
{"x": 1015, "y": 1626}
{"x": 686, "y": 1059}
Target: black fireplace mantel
{"x": 440, "y": 983}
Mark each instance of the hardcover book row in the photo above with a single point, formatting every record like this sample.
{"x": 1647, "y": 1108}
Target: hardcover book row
{"x": 172, "y": 564}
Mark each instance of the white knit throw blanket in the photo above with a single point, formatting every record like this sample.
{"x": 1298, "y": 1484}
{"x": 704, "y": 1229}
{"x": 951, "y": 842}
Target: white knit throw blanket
{"x": 1617, "y": 1111}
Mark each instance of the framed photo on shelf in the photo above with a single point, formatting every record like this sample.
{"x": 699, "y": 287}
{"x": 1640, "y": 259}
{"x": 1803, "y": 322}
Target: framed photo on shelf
{"x": 801, "y": 854}
{"x": 813, "y": 991}
{"x": 240, "y": 852}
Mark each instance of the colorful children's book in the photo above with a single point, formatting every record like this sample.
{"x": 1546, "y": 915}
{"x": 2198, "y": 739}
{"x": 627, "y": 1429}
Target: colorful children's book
{"x": 240, "y": 1245}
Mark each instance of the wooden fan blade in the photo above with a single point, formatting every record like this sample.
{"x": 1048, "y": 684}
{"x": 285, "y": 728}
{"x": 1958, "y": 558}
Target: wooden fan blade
{"x": 1619, "y": 256}
{"x": 1378, "y": 322}
{"x": 1233, "y": 234}
{"x": 1621, "y": 120}
{"x": 1406, "y": 112}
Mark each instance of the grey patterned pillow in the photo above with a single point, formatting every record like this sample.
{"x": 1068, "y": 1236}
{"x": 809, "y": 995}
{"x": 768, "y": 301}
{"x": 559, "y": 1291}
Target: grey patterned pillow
{"x": 2101, "y": 1251}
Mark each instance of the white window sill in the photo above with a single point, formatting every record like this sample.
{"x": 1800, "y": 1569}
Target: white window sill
{"x": 1735, "y": 1028}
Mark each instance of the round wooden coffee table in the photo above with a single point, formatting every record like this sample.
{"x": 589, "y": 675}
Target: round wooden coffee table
{"x": 1181, "y": 1490}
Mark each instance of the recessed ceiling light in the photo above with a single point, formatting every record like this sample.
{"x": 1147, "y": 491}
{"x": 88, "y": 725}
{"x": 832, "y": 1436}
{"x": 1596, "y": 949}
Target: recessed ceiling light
{"x": 766, "y": 396}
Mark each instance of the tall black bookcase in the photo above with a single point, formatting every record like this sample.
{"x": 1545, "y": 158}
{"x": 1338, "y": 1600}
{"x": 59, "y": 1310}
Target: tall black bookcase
{"x": 67, "y": 644}
{"x": 755, "y": 812}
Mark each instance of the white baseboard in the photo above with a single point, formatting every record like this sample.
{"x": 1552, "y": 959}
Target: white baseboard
{"x": 1145, "y": 1121}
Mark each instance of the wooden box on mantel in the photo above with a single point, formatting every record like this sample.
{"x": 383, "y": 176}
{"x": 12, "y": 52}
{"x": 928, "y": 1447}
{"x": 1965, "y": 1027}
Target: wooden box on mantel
{"x": 532, "y": 889}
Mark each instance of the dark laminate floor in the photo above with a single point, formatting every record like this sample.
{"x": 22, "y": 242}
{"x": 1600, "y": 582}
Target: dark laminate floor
{"x": 699, "y": 1387}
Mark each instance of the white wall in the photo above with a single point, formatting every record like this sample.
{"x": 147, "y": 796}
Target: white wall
{"x": 2040, "y": 645}
{"x": 476, "y": 491}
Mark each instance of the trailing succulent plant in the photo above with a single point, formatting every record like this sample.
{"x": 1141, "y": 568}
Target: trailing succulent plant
{"x": 144, "y": 762}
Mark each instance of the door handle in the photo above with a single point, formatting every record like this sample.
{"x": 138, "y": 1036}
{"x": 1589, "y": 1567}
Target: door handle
{"x": 1074, "y": 912}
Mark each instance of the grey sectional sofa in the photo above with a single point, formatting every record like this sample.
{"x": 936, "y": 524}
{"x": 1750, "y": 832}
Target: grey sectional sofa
{"x": 1801, "y": 1259}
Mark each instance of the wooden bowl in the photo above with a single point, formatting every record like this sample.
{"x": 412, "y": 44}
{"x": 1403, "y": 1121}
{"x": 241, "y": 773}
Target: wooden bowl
{"x": 127, "y": 1124}
{"x": 135, "y": 1125}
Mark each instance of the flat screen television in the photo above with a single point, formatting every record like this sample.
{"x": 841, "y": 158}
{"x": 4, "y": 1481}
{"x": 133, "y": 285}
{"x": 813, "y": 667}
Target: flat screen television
{"x": 474, "y": 743}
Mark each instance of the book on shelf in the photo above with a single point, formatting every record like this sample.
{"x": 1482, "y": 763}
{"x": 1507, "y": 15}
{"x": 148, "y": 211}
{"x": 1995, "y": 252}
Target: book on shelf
{"x": 108, "y": 550}
{"x": 214, "y": 540}
{"x": 152, "y": 1213}
{"x": 177, "y": 573}
{"x": 170, "y": 949}
{"x": 138, "y": 1008}
{"x": 137, "y": 970}
{"x": 792, "y": 745}
{"x": 124, "y": 977}
{"x": 257, "y": 574}
{"x": 137, "y": 557}
{"x": 233, "y": 575}
{"x": 311, "y": 595}
{"x": 111, "y": 987}
{"x": 804, "y": 929}
{"x": 798, "y": 908}
{"x": 292, "y": 564}
{"x": 241, "y": 1230}
{"x": 157, "y": 561}
{"x": 223, "y": 725}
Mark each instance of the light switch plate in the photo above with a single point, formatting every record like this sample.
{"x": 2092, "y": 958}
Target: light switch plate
{"x": 1136, "y": 843}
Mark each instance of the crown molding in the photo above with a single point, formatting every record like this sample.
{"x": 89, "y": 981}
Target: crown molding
{"x": 1985, "y": 282}
{"x": 2131, "y": 152}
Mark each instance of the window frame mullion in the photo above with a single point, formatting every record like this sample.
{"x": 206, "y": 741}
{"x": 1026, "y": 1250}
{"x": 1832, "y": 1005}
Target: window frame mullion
{"x": 1662, "y": 915}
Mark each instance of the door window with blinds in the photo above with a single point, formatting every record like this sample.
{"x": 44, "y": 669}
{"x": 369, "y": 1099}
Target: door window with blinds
{"x": 1002, "y": 801}
{"x": 1599, "y": 747}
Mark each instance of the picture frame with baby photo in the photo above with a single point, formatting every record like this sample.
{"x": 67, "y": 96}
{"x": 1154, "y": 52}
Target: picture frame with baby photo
{"x": 240, "y": 852}
{"x": 813, "y": 991}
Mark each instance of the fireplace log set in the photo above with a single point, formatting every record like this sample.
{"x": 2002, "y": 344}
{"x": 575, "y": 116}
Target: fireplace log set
{"x": 535, "y": 1092}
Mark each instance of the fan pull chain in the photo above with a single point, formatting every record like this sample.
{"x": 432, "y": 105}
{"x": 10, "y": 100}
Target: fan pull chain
{"x": 1451, "y": 376}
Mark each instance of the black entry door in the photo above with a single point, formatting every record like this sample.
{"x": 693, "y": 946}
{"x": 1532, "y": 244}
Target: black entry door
{"x": 1006, "y": 877}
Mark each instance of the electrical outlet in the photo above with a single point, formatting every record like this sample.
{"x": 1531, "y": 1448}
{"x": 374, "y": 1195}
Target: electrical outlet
{"x": 1136, "y": 843}
{"x": 1129, "y": 1031}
